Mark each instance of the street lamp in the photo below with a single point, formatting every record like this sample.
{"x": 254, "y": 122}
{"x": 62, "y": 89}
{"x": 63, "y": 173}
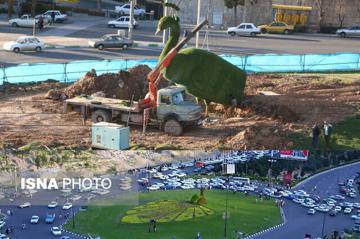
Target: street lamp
{"x": 73, "y": 217}
{"x": 271, "y": 161}
{"x": 229, "y": 169}
{"x": 323, "y": 225}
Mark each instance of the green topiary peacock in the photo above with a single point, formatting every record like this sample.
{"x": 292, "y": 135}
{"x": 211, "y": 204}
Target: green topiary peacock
{"x": 203, "y": 73}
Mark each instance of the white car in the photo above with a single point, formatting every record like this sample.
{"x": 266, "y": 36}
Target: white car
{"x": 25, "y": 43}
{"x": 311, "y": 211}
{"x": 347, "y": 32}
{"x": 125, "y": 10}
{"x": 244, "y": 29}
{"x": 53, "y": 205}
{"x": 23, "y": 21}
{"x": 337, "y": 209}
{"x": 24, "y": 205}
{"x": 59, "y": 17}
{"x": 122, "y": 22}
{"x": 347, "y": 210}
{"x": 67, "y": 206}
{"x": 56, "y": 231}
{"x": 355, "y": 217}
{"x": 34, "y": 219}
{"x": 2, "y": 224}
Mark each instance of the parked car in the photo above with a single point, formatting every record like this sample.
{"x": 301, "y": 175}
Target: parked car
{"x": 277, "y": 27}
{"x": 67, "y": 206}
{"x": 112, "y": 41}
{"x": 333, "y": 213}
{"x": 349, "y": 32}
{"x": 24, "y": 205}
{"x": 125, "y": 10}
{"x": 56, "y": 231}
{"x": 347, "y": 210}
{"x": 25, "y": 21}
{"x": 122, "y": 22}
{"x": 2, "y": 224}
{"x": 25, "y": 43}
{"x": 244, "y": 29}
{"x": 34, "y": 219}
{"x": 59, "y": 17}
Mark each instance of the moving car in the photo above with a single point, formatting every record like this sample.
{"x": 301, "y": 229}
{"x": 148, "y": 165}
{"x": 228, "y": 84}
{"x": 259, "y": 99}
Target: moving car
{"x": 122, "y": 22}
{"x": 25, "y": 43}
{"x": 311, "y": 211}
{"x": 50, "y": 218}
{"x": 277, "y": 27}
{"x": 24, "y": 205}
{"x": 67, "y": 206}
{"x": 244, "y": 29}
{"x": 111, "y": 41}
{"x": 125, "y": 10}
{"x": 56, "y": 231}
{"x": 52, "y": 205}
{"x": 349, "y": 32}
{"x": 34, "y": 219}
{"x": 59, "y": 17}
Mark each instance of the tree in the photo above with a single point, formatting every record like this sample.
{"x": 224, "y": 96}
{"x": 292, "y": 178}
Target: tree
{"x": 233, "y": 4}
{"x": 322, "y": 8}
{"x": 33, "y": 7}
{"x": 340, "y": 10}
{"x": 10, "y": 4}
{"x": 99, "y": 5}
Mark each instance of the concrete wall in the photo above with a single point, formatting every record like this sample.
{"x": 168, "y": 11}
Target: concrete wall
{"x": 260, "y": 11}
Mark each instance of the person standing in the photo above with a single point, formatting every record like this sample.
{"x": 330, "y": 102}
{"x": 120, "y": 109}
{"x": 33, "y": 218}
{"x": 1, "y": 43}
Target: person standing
{"x": 198, "y": 236}
{"x": 41, "y": 23}
{"x": 315, "y": 136}
{"x": 327, "y": 133}
{"x": 52, "y": 17}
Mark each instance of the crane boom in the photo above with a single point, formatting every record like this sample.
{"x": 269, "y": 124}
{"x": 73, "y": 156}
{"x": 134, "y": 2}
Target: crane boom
{"x": 155, "y": 75}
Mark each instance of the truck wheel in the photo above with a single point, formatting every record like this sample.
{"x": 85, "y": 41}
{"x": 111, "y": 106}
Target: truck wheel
{"x": 14, "y": 24}
{"x": 173, "y": 127}
{"x": 101, "y": 116}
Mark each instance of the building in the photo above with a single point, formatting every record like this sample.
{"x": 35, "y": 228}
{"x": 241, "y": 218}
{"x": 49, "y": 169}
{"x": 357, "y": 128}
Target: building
{"x": 324, "y": 13}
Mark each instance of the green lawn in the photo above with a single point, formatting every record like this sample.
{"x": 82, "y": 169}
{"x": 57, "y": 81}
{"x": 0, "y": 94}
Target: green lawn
{"x": 345, "y": 136}
{"x": 112, "y": 221}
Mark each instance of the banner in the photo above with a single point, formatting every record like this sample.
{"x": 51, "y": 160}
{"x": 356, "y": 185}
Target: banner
{"x": 291, "y": 154}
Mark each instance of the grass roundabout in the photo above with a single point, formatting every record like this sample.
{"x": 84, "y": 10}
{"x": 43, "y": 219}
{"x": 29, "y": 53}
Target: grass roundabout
{"x": 165, "y": 211}
{"x": 176, "y": 216}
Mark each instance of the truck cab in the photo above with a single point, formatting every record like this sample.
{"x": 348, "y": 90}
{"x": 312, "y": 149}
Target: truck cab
{"x": 174, "y": 109}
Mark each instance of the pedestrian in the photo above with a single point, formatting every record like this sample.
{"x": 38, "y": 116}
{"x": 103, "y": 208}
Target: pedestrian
{"x": 41, "y": 23}
{"x": 198, "y": 236}
{"x": 315, "y": 136}
{"x": 327, "y": 133}
{"x": 52, "y": 17}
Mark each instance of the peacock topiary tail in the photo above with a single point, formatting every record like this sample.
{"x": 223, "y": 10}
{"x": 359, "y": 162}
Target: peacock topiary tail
{"x": 173, "y": 24}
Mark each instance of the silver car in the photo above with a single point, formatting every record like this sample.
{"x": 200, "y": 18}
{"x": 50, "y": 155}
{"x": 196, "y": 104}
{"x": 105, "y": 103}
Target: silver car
{"x": 348, "y": 32}
{"x": 111, "y": 41}
{"x": 244, "y": 29}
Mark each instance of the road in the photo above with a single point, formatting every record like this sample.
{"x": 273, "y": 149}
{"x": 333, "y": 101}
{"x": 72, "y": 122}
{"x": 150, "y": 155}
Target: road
{"x": 299, "y": 223}
{"x": 80, "y": 29}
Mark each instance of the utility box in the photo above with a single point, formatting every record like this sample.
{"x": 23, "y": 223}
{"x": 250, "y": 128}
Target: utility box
{"x": 110, "y": 136}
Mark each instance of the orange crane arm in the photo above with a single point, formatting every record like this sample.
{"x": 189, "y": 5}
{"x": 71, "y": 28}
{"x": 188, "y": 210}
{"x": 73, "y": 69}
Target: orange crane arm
{"x": 155, "y": 75}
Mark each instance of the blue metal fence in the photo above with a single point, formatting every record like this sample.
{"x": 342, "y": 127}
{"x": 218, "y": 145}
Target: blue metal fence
{"x": 268, "y": 63}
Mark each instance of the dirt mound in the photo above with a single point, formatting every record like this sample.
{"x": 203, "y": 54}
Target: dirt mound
{"x": 122, "y": 85}
{"x": 261, "y": 136}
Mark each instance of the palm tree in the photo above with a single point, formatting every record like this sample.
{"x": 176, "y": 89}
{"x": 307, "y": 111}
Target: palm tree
{"x": 33, "y": 7}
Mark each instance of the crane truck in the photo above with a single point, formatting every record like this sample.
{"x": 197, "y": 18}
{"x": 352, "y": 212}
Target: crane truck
{"x": 167, "y": 108}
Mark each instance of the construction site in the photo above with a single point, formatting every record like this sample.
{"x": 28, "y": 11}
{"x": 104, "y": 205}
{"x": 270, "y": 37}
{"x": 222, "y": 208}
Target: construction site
{"x": 35, "y": 112}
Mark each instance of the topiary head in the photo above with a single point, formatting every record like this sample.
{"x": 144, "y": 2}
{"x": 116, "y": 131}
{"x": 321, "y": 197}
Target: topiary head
{"x": 167, "y": 22}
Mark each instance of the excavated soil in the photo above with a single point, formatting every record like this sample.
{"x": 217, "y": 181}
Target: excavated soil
{"x": 262, "y": 122}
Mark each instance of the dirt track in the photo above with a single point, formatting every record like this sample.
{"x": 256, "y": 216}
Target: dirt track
{"x": 27, "y": 116}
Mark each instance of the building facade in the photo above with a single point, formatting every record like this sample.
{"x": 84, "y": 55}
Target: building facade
{"x": 325, "y": 13}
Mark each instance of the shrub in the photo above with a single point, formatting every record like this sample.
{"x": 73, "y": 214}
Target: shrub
{"x": 194, "y": 199}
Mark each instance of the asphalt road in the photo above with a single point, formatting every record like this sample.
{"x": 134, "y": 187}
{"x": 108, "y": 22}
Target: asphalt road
{"x": 219, "y": 42}
{"x": 299, "y": 223}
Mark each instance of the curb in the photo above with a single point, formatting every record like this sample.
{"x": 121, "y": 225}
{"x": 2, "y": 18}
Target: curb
{"x": 70, "y": 232}
{"x": 271, "y": 228}
{"x": 136, "y": 44}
